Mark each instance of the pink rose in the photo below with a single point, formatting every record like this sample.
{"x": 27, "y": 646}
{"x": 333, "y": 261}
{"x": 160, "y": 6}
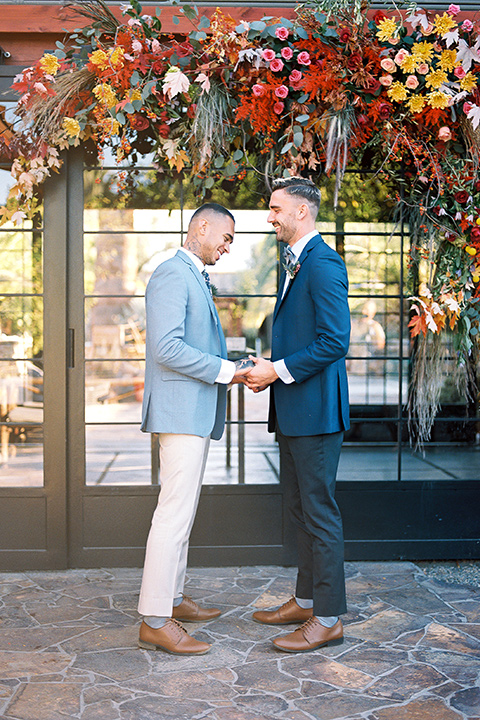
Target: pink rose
{"x": 467, "y": 25}
{"x": 467, "y": 107}
{"x": 423, "y": 69}
{"x": 453, "y": 9}
{"x": 281, "y": 91}
{"x": 411, "y": 82}
{"x": 282, "y": 32}
{"x": 258, "y": 90}
{"x": 428, "y": 30}
{"x": 278, "y": 108}
{"x": 295, "y": 76}
{"x": 268, "y": 55}
{"x": 400, "y": 56}
{"x": 276, "y": 65}
{"x": 386, "y": 80}
{"x": 459, "y": 72}
{"x": 286, "y": 53}
{"x": 445, "y": 133}
{"x": 393, "y": 40}
{"x": 303, "y": 58}
{"x": 388, "y": 65}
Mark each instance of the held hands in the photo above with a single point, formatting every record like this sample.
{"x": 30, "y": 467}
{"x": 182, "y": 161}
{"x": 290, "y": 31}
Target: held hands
{"x": 256, "y": 373}
{"x": 261, "y": 375}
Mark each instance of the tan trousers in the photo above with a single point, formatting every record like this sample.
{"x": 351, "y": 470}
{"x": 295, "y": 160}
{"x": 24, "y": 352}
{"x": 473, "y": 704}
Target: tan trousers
{"x": 182, "y": 465}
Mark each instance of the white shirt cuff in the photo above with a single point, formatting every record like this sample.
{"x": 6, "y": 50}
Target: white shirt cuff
{"x": 282, "y": 372}
{"x": 227, "y": 371}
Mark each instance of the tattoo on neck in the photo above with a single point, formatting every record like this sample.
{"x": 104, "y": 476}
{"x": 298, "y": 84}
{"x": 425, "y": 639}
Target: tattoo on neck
{"x": 194, "y": 245}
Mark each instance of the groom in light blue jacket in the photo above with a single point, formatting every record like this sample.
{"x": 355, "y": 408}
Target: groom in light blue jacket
{"x": 186, "y": 380}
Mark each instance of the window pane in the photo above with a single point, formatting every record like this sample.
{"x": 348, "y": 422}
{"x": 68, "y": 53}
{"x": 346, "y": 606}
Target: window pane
{"x": 358, "y": 464}
{"x": 21, "y": 270}
{"x": 21, "y": 327}
{"x": 442, "y": 463}
{"x": 117, "y": 455}
{"x": 115, "y": 328}
{"x": 21, "y": 422}
{"x": 114, "y": 391}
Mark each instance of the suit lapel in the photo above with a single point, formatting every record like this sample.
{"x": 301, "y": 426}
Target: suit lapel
{"x": 303, "y": 257}
{"x": 200, "y": 279}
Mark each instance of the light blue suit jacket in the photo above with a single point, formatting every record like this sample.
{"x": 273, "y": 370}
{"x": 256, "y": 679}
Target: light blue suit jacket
{"x": 184, "y": 347}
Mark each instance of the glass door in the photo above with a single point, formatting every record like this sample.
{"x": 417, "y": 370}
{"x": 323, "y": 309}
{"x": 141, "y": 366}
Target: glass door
{"x": 114, "y": 467}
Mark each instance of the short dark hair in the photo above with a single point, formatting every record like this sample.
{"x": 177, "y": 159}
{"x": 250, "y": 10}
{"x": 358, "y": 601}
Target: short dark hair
{"x": 300, "y": 187}
{"x": 214, "y": 208}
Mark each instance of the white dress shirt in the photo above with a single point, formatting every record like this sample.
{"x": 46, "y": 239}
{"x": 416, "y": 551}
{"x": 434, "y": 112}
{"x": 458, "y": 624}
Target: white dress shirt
{"x": 296, "y": 248}
{"x": 227, "y": 369}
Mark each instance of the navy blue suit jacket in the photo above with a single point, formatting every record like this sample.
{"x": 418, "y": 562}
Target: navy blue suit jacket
{"x": 311, "y": 332}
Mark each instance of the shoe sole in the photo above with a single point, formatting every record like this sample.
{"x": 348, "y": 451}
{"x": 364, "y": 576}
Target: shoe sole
{"x": 329, "y": 643}
{"x": 193, "y": 620}
{"x": 150, "y": 646}
{"x": 285, "y": 622}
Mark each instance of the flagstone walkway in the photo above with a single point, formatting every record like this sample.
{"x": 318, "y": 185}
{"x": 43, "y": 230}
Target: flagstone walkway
{"x": 411, "y": 651}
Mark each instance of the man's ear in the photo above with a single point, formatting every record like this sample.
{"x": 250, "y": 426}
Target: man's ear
{"x": 203, "y": 226}
{"x": 302, "y": 211}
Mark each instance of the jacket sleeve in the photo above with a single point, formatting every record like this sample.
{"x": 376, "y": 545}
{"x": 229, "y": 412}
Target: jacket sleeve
{"x": 167, "y": 301}
{"x": 328, "y": 287}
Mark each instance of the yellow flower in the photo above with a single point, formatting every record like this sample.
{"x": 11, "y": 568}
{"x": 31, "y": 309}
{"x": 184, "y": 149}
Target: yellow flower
{"x": 71, "y": 126}
{"x": 116, "y": 57}
{"x": 470, "y": 250}
{"x": 109, "y": 126}
{"x": 105, "y": 94}
{"x": 435, "y": 79}
{"x": 410, "y": 63}
{"x": 469, "y": 82}
{"x": 50, "y": 64}
{"x": 416, "y": 103}
{"x": 397, "y": 92}
{"x": 437, "y": 100}
{"x": 100, "y": 59}
{"x": 135, "y": 95}
{"x": 423, "y": 51}
{"x": 444, "y": 23}
{"x": 386, "y": 29}
{"x": 448, "y": 60}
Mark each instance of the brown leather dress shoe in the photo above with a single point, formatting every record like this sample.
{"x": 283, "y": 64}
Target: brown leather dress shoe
{"x": 290, "y": 612}
{"x": 172, "y": 638}
{"x": 190, "y": 611}
{"x": 310, "y": 636}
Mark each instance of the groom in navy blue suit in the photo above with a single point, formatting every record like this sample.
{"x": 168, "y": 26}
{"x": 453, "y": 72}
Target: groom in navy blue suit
{"x": 308, "y": 411}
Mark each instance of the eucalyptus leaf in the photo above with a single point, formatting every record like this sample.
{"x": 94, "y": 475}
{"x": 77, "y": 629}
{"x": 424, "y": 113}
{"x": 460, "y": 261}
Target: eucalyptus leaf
{"x": 302, "y": 33}
{"x": 204, "y": 23}
{"x": 298, "y": 139}
{"x": 238, "y": 155}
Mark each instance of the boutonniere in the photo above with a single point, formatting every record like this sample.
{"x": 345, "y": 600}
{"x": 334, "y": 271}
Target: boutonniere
{"x": 291, "y": 268}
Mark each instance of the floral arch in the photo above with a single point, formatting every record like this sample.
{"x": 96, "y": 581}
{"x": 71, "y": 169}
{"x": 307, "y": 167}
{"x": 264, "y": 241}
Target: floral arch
{"x": 396, "y": 92}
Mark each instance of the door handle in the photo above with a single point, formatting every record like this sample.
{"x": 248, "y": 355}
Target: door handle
{"x": 71, "y": 348}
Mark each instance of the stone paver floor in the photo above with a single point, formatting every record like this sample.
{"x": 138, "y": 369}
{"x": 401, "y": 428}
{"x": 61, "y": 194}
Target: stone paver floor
{"x": 68, "y": 650}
